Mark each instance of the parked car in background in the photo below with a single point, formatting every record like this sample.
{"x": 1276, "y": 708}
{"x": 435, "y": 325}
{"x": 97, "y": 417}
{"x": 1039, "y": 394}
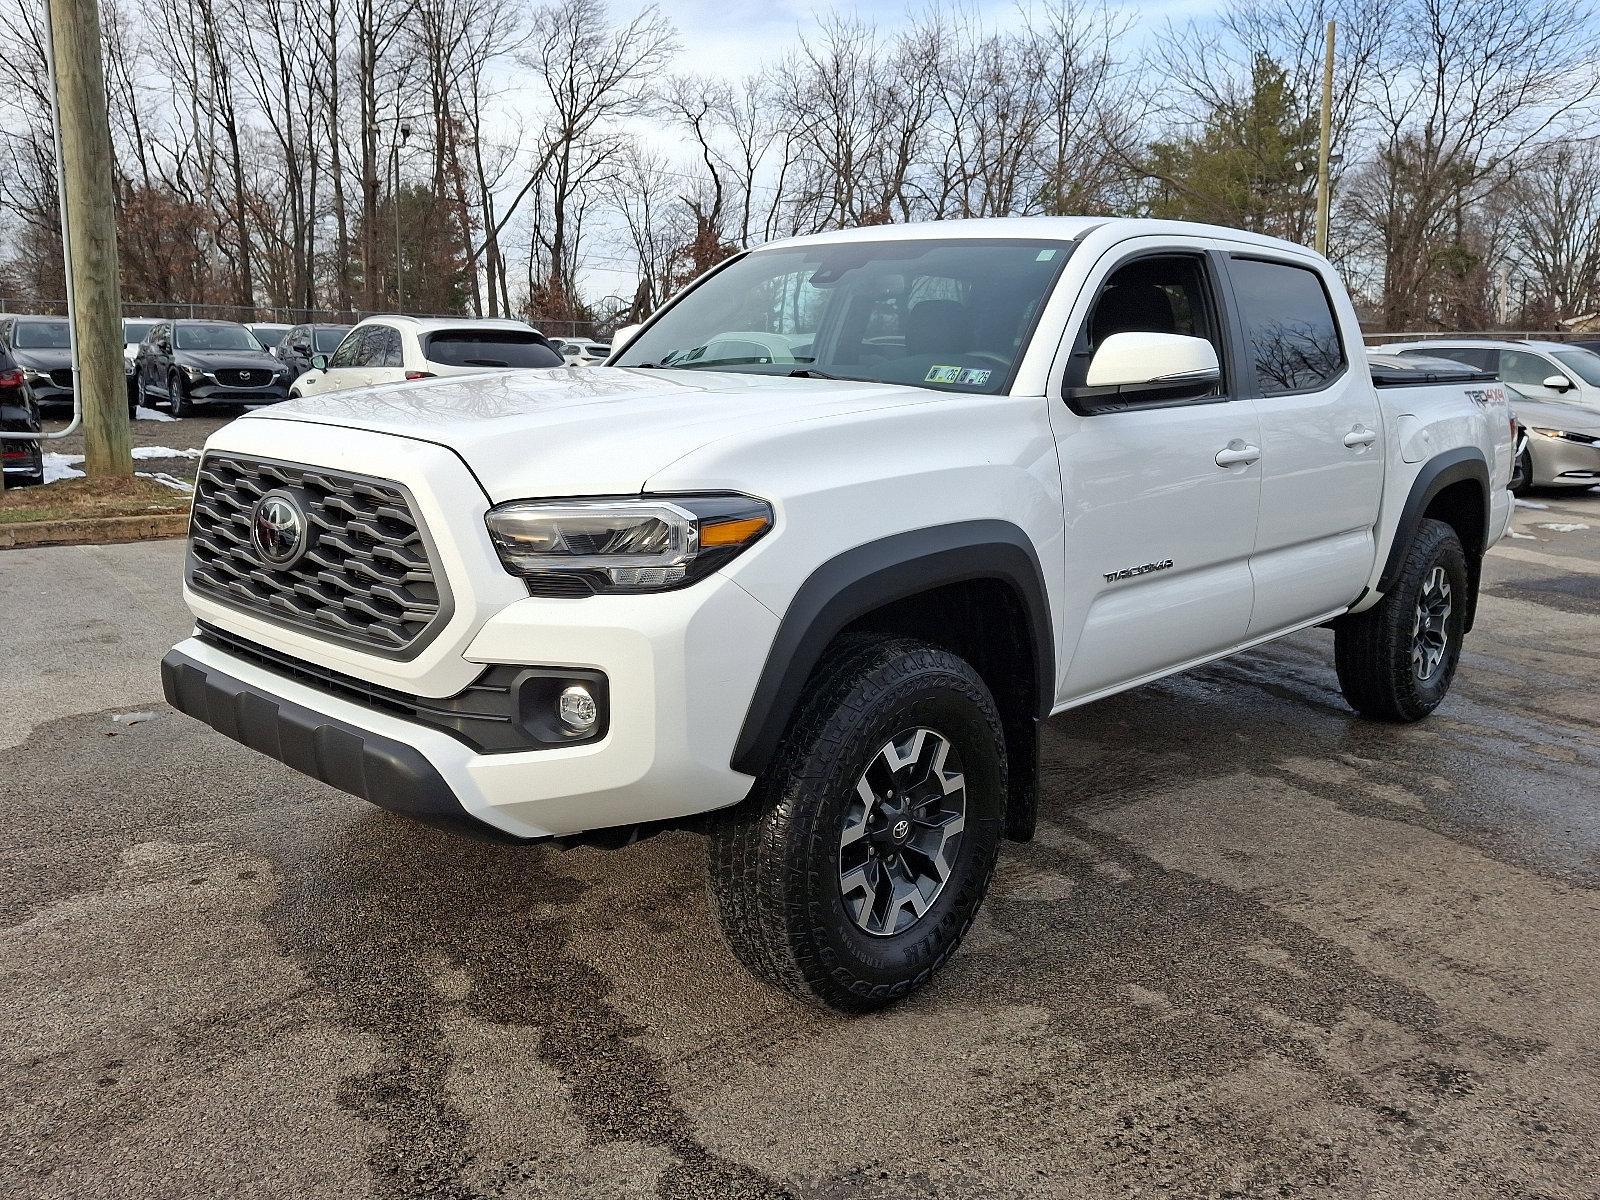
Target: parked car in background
{"x": 1590, "y": 344}
{"x": 134, "y": 331}
{"x": 302, "y": 342}
{"x": 1555, "y": 390}
{"x": 21, "y": 461}
{"x": 42, "y": 349}
{"x": 580, "y": 352}
{"x": 185, "y": 363}
{"x": 270, "y": 334}
{"x": 393, "y": 349}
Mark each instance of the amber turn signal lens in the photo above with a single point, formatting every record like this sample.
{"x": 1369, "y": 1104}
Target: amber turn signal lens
{"x": 731, "y": 533}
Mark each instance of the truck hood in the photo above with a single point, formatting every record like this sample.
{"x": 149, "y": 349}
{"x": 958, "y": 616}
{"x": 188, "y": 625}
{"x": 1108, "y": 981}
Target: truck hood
{"x": 575, "y": 431}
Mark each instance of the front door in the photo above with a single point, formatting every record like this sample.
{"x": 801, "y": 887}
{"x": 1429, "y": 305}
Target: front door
{"x": 1322, "y": 445}
{"x": 1160, "y": 494}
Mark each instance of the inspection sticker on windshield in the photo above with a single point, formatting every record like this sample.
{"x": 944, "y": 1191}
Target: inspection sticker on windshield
{"x": 975, "y": 376}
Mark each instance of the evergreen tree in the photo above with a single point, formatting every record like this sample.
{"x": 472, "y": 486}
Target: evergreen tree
{"x": 1252, "y": 166}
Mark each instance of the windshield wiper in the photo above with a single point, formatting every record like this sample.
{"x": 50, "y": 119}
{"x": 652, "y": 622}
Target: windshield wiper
{"x": 813, "y": 373}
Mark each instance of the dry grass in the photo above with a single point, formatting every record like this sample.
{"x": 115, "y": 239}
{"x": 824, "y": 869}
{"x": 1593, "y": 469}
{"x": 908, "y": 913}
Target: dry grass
{"x": 70, "y": 499}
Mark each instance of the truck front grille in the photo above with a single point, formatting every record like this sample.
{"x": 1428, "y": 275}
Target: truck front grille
{"x": 365, "y": 574}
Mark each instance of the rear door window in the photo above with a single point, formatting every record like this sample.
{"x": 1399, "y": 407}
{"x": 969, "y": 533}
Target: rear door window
{"x": 489, "y": 348}
{"x": 1289, "y": 324}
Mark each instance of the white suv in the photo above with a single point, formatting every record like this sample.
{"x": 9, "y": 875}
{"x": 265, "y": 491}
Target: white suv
{"x": 393, "y": 349}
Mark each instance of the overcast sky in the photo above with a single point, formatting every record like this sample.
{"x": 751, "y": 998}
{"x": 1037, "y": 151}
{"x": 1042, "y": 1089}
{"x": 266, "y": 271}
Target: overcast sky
{"x": 733, "y": 38}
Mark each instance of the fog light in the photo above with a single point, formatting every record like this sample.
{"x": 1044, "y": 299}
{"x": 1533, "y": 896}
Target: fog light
{"x": 577, "y": 709}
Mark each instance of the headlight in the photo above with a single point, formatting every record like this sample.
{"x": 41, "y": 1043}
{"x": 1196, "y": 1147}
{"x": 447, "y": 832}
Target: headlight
{"x": 638, "y": 544}
{"x": 35, "y": 375}
{"x": 195, "y": 374}
{"x": 1567, "y": 435}
{"x": 127, "y": 366}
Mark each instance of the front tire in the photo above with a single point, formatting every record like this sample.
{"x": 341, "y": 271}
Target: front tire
{"x": 857, "y": 865}
{"x": 1397, "y": 659}
{"x": 178, "y": 396}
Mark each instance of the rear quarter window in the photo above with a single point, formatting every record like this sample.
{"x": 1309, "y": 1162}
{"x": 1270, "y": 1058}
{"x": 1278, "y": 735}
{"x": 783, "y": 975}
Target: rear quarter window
{"x": 489, "y": 348}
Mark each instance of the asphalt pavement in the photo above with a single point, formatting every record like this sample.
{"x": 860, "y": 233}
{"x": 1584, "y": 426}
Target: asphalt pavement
{"x": 1259, "y": 947}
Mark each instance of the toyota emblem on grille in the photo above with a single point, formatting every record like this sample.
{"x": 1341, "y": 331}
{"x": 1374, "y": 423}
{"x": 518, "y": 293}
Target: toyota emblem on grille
{"x": 278, "y": 529}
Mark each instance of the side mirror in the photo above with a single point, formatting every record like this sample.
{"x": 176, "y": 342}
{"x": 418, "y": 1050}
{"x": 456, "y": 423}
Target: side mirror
{"x": 623, "y": 336}
{"x": 1134, "y": 361}
{"x": 1558, "y": 383}
{"x": 319, "y": 362}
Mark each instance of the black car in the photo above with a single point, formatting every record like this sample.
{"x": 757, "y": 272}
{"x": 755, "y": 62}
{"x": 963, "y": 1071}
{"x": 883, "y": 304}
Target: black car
{"x": 303, "y": 341}
{"x": 42, "y": 348}
{"x": 186, "y": 363}
{"x": 22, "y": 461}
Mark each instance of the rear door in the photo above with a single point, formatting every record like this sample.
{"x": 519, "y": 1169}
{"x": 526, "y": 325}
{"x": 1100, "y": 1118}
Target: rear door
{"x": 1322, "y": 443}
{"x": 1158, "y": 530}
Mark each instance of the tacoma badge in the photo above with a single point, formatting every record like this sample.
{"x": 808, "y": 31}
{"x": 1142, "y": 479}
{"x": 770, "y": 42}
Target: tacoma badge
{"x": 1130, "y": 572}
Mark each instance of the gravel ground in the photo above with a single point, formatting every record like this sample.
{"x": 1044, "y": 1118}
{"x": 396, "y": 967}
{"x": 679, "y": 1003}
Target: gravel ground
{"x": 1259, "y": 948}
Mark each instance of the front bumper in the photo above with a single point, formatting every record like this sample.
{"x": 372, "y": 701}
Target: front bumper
{"x": 363, "y": 762}
{"x": 207, "y": 392}
{"x": 1559, "y": 462}
{"x": 681, "y": 668}
{"x": 49, "y": 393}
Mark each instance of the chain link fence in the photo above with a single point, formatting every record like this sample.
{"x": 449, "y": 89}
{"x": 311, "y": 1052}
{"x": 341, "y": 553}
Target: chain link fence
{"x": 181, "y": 311}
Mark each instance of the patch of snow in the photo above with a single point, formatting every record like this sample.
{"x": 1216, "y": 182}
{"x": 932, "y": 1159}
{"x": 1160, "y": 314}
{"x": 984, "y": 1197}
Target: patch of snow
{"x": 166, "y": 480}
{"x": 132, "y": 718}
{"x": 1564, "y": 526}
{"x": 163, "y": 452}
{"x": 61, "y": 466}
{"x": 1530, "y": 504}
{"x": 1526, "y": 537}
{"x": 150, "y": 414}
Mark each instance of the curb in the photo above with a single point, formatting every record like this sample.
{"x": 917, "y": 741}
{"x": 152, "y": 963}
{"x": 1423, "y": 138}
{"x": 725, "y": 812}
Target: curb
{"x": 94, "y": 531}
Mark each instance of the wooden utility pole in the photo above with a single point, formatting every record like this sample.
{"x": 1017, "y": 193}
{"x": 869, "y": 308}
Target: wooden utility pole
{"x": 1323, "y": 147}
{"x": 83, "y": 138}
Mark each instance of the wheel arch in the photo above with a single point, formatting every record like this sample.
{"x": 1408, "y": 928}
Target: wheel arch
{"x": 1452, "y": 487}
{"x": 975, "y": 587}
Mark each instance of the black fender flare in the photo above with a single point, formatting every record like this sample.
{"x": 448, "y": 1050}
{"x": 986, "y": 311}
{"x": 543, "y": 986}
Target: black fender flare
{"x": 865, "y": 578}
{"x": 1466, "y": 463}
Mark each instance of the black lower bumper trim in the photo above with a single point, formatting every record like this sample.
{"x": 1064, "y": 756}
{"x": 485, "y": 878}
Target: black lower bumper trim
{"x": 380, "y": 770}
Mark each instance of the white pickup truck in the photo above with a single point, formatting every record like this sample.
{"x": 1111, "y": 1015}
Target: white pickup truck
{"x": 809, "y": 562}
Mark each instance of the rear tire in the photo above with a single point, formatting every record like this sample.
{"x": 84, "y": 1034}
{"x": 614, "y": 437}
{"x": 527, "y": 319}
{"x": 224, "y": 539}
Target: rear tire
{"x": 816, "y": 887}
{"x": 1397, "y": 659}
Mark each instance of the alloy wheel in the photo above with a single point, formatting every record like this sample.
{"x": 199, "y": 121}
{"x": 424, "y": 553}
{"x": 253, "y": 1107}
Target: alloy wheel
{"x": 902, "y": 832}
{"x": 1430, "y": 627}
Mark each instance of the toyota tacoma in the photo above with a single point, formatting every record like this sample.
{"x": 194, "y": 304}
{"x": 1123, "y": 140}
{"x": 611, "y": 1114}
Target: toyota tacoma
{"x": 810, "y": 560}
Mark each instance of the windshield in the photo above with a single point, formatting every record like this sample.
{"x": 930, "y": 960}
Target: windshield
{"x": 42, "y": 335}
{"x": 948, "y": 314}
{"x": 214, "y": 337}
{"x": 268, "y": 335}
{"x": 1585, "y": 364}
{"x": 327, "y": 341}
{"x": 490, "y": 348}
{"x": 136, "y": 331}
